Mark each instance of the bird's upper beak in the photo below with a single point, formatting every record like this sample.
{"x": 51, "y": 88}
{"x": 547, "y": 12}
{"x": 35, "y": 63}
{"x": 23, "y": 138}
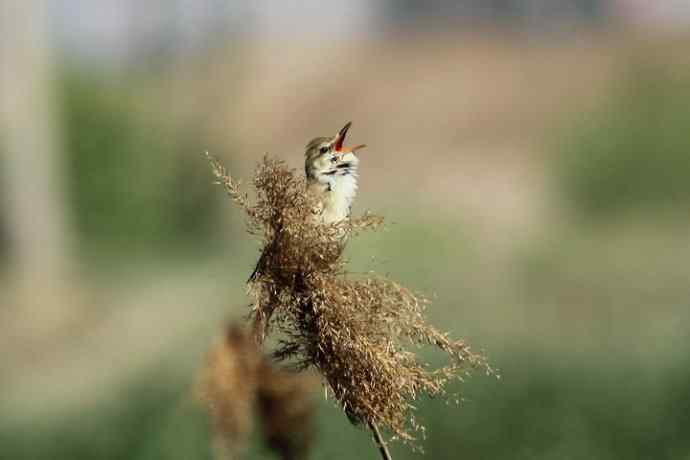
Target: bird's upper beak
{"x": 340, "y": 140}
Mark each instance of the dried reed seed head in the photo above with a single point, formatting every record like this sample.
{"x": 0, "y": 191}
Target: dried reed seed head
{"x": 229, "y": 384}
{"x": 232, "y": 366}
{"x": 355, "y": 331}
{"x": 362, "y": 327}
{"x": 287, "y": 410}
{"x": 238, "y": 380}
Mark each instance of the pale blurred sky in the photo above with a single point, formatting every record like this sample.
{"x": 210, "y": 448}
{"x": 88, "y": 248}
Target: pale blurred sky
{"x": 94, "y": 28}
{"x": 109, "y": 29}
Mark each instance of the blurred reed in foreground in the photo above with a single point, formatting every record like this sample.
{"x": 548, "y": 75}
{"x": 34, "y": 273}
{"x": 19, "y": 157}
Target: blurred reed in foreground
{"x": 238, "y": 382}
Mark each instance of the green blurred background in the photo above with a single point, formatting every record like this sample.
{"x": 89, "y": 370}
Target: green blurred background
{"x": 532, "y": 159}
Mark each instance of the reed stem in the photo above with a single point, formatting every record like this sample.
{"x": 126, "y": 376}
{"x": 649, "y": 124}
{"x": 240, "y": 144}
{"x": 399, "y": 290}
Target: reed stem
{"x": 383, "y": 448}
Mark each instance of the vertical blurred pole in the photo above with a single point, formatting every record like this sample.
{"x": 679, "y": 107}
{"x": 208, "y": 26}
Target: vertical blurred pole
{"x": 31, "y": 166}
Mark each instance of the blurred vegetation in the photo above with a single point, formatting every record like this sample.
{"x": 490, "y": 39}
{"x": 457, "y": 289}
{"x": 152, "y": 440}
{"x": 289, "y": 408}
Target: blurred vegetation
{"x": 544, "y": 408}
{"x": 4, "y": 237}
{"x": 133, "y": 426}
{"x": 634, "y": 155}
{"x": 414, "y": 12}
{"x": 136, "y": 182}
{"x": 555, "y": 400}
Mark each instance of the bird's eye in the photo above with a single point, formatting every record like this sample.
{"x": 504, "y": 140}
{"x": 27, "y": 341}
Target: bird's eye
{"x": 324, "y": 149}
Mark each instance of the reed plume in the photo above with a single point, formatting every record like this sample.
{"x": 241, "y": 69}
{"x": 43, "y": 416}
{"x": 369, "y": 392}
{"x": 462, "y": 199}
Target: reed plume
{"x": 360, "y": 332}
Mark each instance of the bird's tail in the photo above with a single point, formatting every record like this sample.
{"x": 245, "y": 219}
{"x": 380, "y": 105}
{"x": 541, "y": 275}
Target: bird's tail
{"x": 259, "y": 267}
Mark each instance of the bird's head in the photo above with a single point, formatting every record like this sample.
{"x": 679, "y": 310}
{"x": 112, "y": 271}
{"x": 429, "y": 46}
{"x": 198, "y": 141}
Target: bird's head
{"x": 323, "y": 155}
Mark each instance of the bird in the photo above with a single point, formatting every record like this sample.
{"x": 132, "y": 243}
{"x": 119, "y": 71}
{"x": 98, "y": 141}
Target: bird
{"x": 331, "y": 171}
{"x": 331, "y": 174}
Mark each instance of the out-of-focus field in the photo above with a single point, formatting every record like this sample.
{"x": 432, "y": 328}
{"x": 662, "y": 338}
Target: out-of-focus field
{"x": 534, "y": 190}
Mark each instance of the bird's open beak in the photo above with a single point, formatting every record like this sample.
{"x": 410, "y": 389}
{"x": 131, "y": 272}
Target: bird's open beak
{"x": 340, "y": 140}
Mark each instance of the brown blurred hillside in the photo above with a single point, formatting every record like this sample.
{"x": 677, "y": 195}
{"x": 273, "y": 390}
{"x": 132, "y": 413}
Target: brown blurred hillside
{"x": 450, "y": 120}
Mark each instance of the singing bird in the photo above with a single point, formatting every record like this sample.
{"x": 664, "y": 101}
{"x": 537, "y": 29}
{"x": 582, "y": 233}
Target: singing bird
{"x": 331, "y": 171}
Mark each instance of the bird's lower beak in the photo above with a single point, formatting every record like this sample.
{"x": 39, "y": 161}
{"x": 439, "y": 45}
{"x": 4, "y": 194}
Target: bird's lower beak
{"x": 352, "y": 149}
{"x": 340, "y": 140}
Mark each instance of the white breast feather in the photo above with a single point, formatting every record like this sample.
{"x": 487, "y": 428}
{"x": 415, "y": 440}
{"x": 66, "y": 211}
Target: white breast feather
{"x": 343, "y": 190}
